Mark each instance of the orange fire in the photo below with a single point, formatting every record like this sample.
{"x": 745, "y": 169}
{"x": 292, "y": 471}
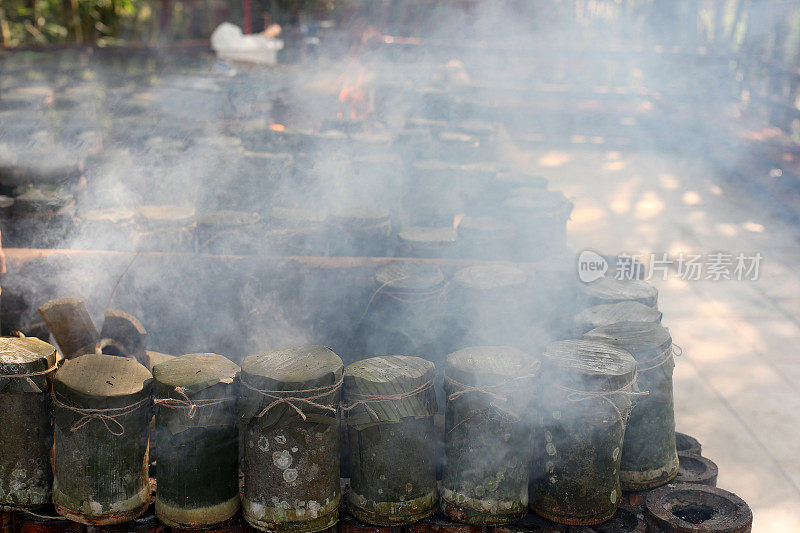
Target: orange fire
{"x": 354, "y": 96}
{"x": 277, "y": 127}
{"x": 457, "y": 220}
{"x": 352, "y": 92}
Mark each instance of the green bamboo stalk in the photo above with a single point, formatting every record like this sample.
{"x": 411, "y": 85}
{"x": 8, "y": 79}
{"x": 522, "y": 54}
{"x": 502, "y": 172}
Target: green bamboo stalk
{"x": 101, "y": 457}
{"x": 27, "y": 435}
{"x": 578, "y": 444}
{"x": 289, "y": 461}
{"x": 392, "y": 464}
{"x": 649, "y": 455}
{"x": 197, "y": 440}
{"x": 487, "y": 438}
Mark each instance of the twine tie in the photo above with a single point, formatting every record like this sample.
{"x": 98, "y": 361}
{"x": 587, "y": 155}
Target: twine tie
{"x": 660, "y": 359}
{"x": 575, "y": 395}
{"x": 366, "y": 399}
{"x": 30, "y": 374}
{"x": 186, "y": 403}
{"x": 499, "y": 391}
{"x": 292, "y": 401}
{"x": 106, "y": 416}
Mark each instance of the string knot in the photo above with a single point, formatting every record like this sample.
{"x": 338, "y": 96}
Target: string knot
{"x": 365, "y": 400}
{"x": 661, "y": 359}
{"x": 291, "y": 398}
{"x": 575, "y": 395}
{"x": 190, "y": 405}
{"x": 107, "y": 416}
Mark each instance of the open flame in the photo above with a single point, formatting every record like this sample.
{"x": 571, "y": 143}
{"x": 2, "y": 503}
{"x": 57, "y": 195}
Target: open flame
{"x": 353, "y": 95}
{"x": 277, "y": 127}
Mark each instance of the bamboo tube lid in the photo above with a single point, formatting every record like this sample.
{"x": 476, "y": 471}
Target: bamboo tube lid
{"x": 25, "y": 356}
{"x": 589, "y": 365}
{"x": 387, "y": 389}
{"x": 97, "y": 380}
{"x": 310, "y": 372}
{"x": 608, "y": 290}
{"x": 605, "y": 314}
{"x": 489, "y": 277}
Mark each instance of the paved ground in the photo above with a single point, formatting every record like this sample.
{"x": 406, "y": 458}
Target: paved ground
{"x": 737, "y": 384}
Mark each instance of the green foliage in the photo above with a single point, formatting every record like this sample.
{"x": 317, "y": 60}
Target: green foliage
{"x": 26, "y": 22}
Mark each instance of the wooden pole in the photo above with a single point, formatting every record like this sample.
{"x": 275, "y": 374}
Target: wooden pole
{"x": 248, "y": 16}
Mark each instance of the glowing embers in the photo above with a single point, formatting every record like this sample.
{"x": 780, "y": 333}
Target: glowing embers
{"x": 355, "y": 97}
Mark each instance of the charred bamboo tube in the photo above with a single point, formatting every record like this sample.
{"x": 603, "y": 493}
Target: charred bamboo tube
{"x": 577, "y": 452}
{"x": 289, "y": 439}
{"x": 423, "y": 241}
{"x": 106, "y": 229}
{"x": 128, "y": 332}
{"x": 390, "y": 404}
{"x": 405, "y": 310}
{"x": 486, "y": 238}
{"x": 228, "y": 232}
{"x": 540, "y": 217}
{"x": 6, "y": 522}
{"x": 72, "y": 327}
{"x": 690, "y": 508}
{"x": 696, "y": 469}
{"x": 649, "y": 455}
{"x": 491, "y": 302}
{"x": 487, "y": 459}
{"x": 102, "y": 406}
{"x": 360, "y": 231}
{"x": 27, "y": 434}
{"x": 195, "y": 398}
{"x": 687, "y": 444}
